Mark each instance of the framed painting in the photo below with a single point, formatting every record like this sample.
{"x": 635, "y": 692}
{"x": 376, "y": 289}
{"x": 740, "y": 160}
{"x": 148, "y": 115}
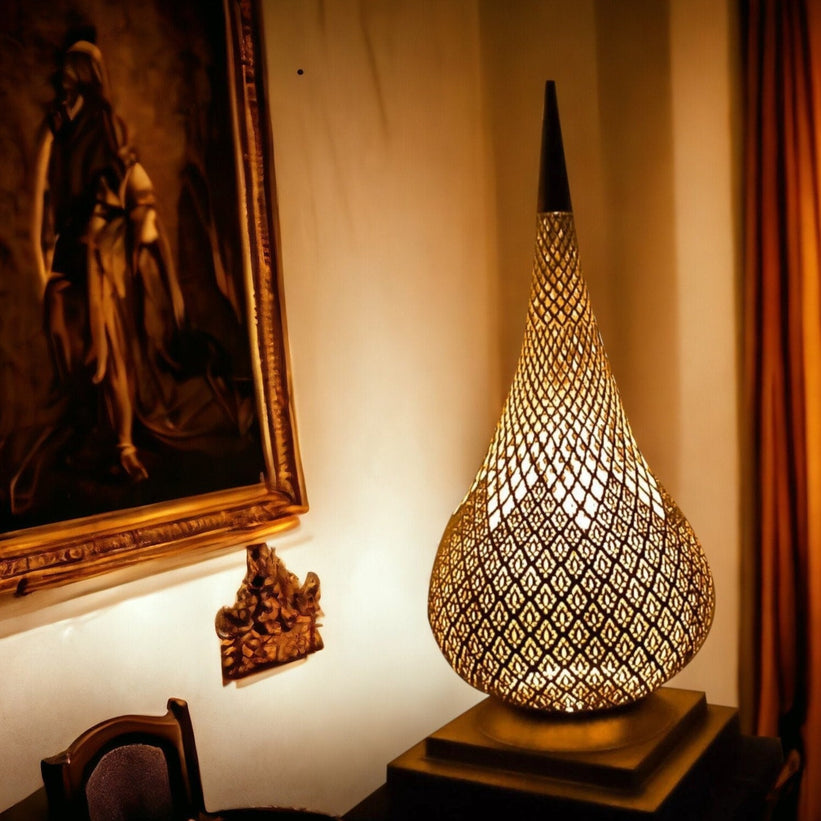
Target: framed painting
{"x": 145, "y": 405}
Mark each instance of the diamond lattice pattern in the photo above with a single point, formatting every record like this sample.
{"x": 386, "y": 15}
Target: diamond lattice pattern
{"x": 567, "y": 579}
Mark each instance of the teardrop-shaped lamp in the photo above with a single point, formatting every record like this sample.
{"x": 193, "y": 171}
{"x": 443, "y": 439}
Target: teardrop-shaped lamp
{"x": 568, "y": 579}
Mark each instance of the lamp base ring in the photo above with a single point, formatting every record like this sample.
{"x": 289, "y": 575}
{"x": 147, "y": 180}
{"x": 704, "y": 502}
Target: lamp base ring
{"x": 518, "y": 727}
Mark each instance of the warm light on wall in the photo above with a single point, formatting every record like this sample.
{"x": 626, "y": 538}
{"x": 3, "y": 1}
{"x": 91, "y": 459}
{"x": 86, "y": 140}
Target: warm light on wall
{"x": 568, "y": 579}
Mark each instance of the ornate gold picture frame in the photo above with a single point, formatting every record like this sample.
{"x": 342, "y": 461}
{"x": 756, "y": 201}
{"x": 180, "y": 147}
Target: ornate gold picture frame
{"x": 145, "y": 403}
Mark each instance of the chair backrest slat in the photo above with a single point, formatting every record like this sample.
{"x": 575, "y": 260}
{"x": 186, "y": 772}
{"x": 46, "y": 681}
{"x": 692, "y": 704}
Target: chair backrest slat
{"x": 127, "y": 768}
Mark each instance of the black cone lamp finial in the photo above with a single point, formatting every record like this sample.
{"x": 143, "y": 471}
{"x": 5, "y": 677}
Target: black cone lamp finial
{"x": 554, "y": 190}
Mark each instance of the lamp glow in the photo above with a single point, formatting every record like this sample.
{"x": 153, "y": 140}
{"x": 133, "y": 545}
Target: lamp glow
{"x": 567, "y": 579}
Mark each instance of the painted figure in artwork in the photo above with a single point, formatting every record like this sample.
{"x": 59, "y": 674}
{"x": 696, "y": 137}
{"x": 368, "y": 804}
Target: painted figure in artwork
{"x": 111, "y": 297}
{"x": 124, "y": 355}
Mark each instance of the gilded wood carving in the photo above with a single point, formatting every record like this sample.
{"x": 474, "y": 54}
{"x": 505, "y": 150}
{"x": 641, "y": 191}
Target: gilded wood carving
{"x": 274, "y": 618}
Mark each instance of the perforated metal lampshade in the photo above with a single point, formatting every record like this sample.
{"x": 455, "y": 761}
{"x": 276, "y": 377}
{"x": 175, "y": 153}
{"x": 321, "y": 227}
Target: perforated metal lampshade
{"x": 568, "y": 579}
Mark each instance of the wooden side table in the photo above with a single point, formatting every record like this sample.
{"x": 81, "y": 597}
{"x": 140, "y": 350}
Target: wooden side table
{"x": 32, "y": 808}
{"x": 707, "y": 770}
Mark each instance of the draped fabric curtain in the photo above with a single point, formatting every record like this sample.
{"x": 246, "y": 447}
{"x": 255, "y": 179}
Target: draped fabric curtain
{"x": 782, "y": 273}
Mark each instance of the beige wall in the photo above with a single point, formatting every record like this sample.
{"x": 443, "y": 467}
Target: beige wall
{"x": 706, "y": 162}
{"x": 406, "y": 158}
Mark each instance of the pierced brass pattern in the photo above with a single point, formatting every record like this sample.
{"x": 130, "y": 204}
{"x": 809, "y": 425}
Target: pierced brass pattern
{"x": 567, "y": 579}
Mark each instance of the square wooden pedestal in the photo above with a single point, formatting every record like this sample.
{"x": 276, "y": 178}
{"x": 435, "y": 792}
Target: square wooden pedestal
{"x": 637, "y": 767}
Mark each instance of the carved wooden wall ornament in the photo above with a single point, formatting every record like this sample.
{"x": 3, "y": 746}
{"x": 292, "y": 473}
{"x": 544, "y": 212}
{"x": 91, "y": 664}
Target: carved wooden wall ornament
{"x": 274, "y": 619}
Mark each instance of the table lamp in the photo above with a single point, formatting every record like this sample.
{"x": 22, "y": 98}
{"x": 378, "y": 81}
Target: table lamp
{"x": 567, "y": 580}
{"x": 569, "y": 587}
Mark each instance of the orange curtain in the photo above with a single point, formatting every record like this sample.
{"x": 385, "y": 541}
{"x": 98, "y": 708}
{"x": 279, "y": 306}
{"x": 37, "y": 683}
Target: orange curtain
{"x": 782, "y": 271}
